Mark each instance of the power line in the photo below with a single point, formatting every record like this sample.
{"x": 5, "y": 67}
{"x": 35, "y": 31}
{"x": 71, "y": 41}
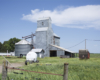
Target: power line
{"x": 81, "y": 42}
{"x": 76, "y": 44}
{"x": 92, "y": 40}
{"x": 96, "y": 40}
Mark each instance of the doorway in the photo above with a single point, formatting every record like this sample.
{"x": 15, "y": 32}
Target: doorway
{"x": 53, "y": 53}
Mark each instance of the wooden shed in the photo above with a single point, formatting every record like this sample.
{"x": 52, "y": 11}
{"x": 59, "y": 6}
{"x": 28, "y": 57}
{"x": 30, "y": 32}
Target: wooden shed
{"x": 84, "y": 54}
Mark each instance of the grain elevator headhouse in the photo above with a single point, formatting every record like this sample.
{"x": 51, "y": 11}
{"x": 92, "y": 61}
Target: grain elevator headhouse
{"x": 44, "y": 34}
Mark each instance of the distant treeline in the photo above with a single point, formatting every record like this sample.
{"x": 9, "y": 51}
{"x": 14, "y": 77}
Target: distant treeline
{"x": 8, "y": 45}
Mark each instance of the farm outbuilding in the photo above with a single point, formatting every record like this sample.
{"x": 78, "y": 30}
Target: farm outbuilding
{"x": 39, "y": 52}
{"x": 84, "y": 54}
{"x": 5, "y": 54}
{"x": 58, "y": 51}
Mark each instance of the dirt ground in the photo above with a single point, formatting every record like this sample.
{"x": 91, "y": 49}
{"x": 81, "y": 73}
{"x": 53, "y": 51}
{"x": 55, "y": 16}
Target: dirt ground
{"x": 12, "y": 65}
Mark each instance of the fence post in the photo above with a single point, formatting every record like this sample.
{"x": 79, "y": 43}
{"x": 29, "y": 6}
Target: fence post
{"x": 4, "y": 70}
{"x": 65, "y": 76}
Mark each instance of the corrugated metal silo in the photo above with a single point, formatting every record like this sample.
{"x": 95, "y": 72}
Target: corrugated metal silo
{"x": 22, "y": 48}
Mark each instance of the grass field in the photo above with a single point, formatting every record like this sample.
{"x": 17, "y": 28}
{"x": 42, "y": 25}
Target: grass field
{"x": 77, "y": 69}
{"x": 12, "y": 59}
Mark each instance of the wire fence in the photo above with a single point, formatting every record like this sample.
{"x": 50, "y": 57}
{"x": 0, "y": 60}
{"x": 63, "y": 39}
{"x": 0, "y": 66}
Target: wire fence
{"x": 37, "y": 72}
{"x": 77, "y": 71}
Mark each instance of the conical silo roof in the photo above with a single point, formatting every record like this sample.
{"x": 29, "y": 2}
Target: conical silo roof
{"x": 23, "y": 41}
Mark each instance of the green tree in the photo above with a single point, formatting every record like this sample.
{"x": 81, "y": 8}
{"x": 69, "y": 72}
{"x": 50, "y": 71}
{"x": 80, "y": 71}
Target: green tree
{"x": 0, "y": 46}
{"x": 9, "y": 45}
{"x": 4, "y": 48}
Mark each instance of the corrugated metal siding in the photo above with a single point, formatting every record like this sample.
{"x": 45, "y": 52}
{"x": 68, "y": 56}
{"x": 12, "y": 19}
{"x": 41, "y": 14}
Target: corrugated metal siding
{"x": 50, "y": 36}
{"x": 43, "y": 23}
{"x": 59, "y": 51}
{"x": 40, "y": 53}
{"x": 41, "y": 40}
{"x": 49, "y": 39}
{"x": 57, "y": 41}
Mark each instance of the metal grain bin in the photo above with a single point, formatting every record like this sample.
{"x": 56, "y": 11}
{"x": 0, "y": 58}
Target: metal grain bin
{"x": 84, "y": 54}
{"x": 22, "y": 48}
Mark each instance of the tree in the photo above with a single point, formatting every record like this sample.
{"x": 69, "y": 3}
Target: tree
{"x": 0, "y": 46}
{"x": 9, "y": 45}
{"x": 4, "y": 48}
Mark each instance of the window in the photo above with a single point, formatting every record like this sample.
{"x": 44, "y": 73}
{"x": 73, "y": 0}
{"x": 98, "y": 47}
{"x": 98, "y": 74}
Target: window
{"x": 42, "y": 23}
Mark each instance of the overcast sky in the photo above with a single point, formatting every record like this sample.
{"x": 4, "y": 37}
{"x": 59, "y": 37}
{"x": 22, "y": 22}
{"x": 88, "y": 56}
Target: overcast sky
{"x": 72, "y": 20}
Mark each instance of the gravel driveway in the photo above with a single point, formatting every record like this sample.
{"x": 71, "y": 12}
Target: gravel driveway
{"x": 13, "y": 65}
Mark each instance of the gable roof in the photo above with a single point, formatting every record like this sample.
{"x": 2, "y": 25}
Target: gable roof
{"x": 55, "y": 35}
{"x": 37, "y": 50}
{"x": 62, "y": 48}
{"x": 44, "y": 18}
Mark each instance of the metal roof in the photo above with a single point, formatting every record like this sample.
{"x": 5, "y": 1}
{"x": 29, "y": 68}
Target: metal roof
{"x": 42, "y": 29}
{"x": 84, "y": 49}
{"x": 37, "y": 50}
{"x": 23, "y": 41}
{"x": 44, "y": 18}
{"x": 55, "y": 35}
{"x": 62, "y": 48}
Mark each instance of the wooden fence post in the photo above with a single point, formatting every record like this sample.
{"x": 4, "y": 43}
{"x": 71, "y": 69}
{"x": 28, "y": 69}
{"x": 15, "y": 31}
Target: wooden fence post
{"x": 65, "y": 76}
{"x": 4, "y": 70}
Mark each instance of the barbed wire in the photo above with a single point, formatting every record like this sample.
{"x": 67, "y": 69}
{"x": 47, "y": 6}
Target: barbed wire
{"x": 33, "y": 71}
